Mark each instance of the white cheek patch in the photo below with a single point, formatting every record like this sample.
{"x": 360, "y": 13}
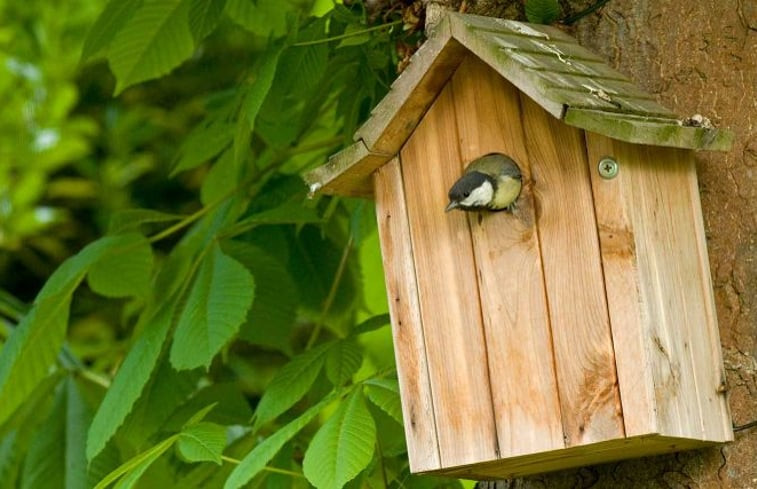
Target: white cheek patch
{"x": 479, "y": 196}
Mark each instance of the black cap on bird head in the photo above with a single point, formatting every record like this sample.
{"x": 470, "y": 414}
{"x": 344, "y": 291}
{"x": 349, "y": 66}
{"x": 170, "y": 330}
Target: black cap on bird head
{"x": 472, "y": 191}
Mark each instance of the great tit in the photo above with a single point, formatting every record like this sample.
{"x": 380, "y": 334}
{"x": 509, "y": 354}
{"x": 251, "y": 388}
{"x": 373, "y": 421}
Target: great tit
{"x": 491, "y": 182}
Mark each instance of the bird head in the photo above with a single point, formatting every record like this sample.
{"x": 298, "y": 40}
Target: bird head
{"x": 473, "y": 190}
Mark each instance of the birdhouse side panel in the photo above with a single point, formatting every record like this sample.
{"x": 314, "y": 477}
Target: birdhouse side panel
{"x": 582, "y": 341}
{"x": 678, "y": 327}
{"x": 509, "y": 270}
{"x": 407, "y": 326}
{"x": 448, "y": 291}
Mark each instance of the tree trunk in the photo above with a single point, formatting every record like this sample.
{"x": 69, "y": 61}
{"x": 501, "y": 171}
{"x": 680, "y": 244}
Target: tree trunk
{"x": 698, "y": 58}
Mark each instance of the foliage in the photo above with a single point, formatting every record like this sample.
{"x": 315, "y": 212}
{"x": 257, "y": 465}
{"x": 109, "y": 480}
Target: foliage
{"x": 216, "y": 328}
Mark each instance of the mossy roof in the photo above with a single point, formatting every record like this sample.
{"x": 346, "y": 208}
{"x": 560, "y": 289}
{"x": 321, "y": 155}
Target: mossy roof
{"x": 567, "y": 80}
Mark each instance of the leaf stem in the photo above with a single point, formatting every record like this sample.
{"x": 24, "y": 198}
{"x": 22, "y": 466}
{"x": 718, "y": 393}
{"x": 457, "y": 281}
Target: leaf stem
{"x": 332, "y": 293}
{"x": 583, "y": 13}
{"x": 345, "y": 36}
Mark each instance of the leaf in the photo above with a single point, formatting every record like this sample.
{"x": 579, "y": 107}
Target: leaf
{"x": 130, "y": 380}
{"x": 385, "y": 394}
{"x": 343, "y": 446}
{"x": 31, "y": 349}
{"x": 223, "y": 176}
{"x": 200, "y": 415}
{"x": 204, "y": 16}
{"x": 202, "y": 442}
{"x": 56, "y": 454}
{"x": 542, "y": 11}
{"x": 131, "y": 219}
{"x": 204, "y": 143}
{"x": 137, "y": 465}
{"x": 343, "y": 360}
{"x": 290, "y": 384}
{"x": 254, "y": 96}
{"x": 372, "y": 324}
{"x": 125, "y": 270}
{"x": 271, "y": 318}
{"x": 155, "y": 40}
{"x": 263, "y": 18}
{"x": 221, "y": 295}
{"x": 107, "y": 25}
{"x": 258, "y": 458}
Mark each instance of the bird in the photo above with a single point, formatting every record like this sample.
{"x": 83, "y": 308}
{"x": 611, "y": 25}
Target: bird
{"x": 490, "y": 182}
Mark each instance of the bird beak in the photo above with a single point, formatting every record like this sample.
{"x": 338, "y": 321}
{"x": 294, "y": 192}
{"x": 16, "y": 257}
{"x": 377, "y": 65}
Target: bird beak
{"x": 450, "y": 206}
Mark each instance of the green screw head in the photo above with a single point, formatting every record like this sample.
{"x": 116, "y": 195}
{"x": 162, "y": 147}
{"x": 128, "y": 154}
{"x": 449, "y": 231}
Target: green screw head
{"x": 608, "y": 167}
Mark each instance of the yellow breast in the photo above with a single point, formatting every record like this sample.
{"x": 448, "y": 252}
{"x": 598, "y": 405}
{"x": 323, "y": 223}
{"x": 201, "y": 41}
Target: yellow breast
{"x": 508, "y": 190}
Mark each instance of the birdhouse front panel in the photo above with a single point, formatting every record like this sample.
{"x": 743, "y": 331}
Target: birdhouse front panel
{"x": 577, "y": 327}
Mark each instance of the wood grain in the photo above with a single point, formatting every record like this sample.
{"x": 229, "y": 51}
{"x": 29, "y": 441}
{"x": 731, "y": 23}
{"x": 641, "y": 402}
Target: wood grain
{"x": 407, "y": 325}
{"x": 676, "y": 319}
{"x": 510, "y": 275}
{"x": 582, "y": 342}
{"x": 448, "y": 291}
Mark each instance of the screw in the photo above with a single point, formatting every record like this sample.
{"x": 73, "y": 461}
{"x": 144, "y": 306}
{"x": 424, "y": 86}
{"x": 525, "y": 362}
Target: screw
{"x": 608, "y": 167}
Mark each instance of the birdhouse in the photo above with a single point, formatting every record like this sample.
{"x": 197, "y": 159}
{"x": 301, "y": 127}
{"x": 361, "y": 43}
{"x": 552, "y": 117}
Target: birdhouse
{"x": 577, "y": 329}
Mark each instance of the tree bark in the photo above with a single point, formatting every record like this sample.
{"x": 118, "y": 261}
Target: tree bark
{"x": 698, "y": 58}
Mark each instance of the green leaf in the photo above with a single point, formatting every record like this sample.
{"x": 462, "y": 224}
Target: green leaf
{"x": 258, "y": 458}
{"x": 125, "y": 270}
{"x": 32, "y": 348}
{"x": 56, "y": 454}
{"x": 107, "y": 25}
{"x": 290, "y": 384}
{"x": 542, "y": 11}
{"x": 200, "y": 415}
{"x": 202, "y": 442}
{"x": 271, "y": 318}
{"x": 343, "y": 446}
{"x": 254, "y": 96}
{"x": 221, "y": 295}
{"x": 130, "y": 380}
{"x": 204, "y": 16}
{"x": 136, "y": 466}
{"x": 222, "y": 177}
{"x": 263, "y": 18}
{"x": 385, "y": 394}
{"x": 343, "y": 360}
{"x": 204, "y": 143}
{"x": 372, "y": 324}
{"x": 130, "y": 220}
{"x": 155, "y": 40}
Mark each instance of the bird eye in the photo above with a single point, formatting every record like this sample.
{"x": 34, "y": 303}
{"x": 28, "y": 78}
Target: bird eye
{"x": 466, "y": 194}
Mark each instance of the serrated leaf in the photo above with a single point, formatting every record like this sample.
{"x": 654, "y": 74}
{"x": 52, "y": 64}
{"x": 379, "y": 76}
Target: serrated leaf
{"x": 343, "y": 360}
{"x": 125, "y": 270}
{"x": 385, "y": 394}
{"x": 290, "y": 384}
{"x": 204, "y": 16}
{"x": 253, "y": 99}
{"x": 202, "y": 442}
{"x": 130, "y": 380}
{"x": 258, "y": 458}
{"x": 130, "y": 220}
{"x": 204, "y": 143}
{"x": 31, "y": 349}
{"x": 271, "y": 318}
{"x": 155, "y": 40}
{"x": 223, "y": 176}
{"x": 132, "y": 469}
{"x": 263, "y": 18}
{"x": 542, "y": 11}
{"x": 113, "y": 17}
{"x": 221, "y": 295}
{"x": 343, "y": 447}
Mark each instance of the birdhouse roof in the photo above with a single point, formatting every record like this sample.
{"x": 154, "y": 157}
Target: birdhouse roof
{"x": 567, "y": 80}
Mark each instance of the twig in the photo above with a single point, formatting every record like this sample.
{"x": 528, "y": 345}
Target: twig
{"x": 345, "y": 36}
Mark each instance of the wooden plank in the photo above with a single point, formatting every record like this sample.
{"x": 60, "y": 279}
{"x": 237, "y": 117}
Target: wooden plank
{"x": 584, "y": 359}
{"x": 619, "y": 261}
{"x": 592, "y": 454}
{"x": 643, "y": 130}
{"x": 407, "y": 325}
{"x": 348, "y": 172}
{"x": 510, "y": 276}
{"x": 448, "y": 291}
{"x": 394, "y": 118}
{"x": 660, "y": 199}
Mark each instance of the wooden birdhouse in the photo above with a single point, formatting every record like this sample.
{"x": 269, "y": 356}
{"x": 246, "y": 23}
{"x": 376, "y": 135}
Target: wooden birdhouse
{"x": 579, "y": 328}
